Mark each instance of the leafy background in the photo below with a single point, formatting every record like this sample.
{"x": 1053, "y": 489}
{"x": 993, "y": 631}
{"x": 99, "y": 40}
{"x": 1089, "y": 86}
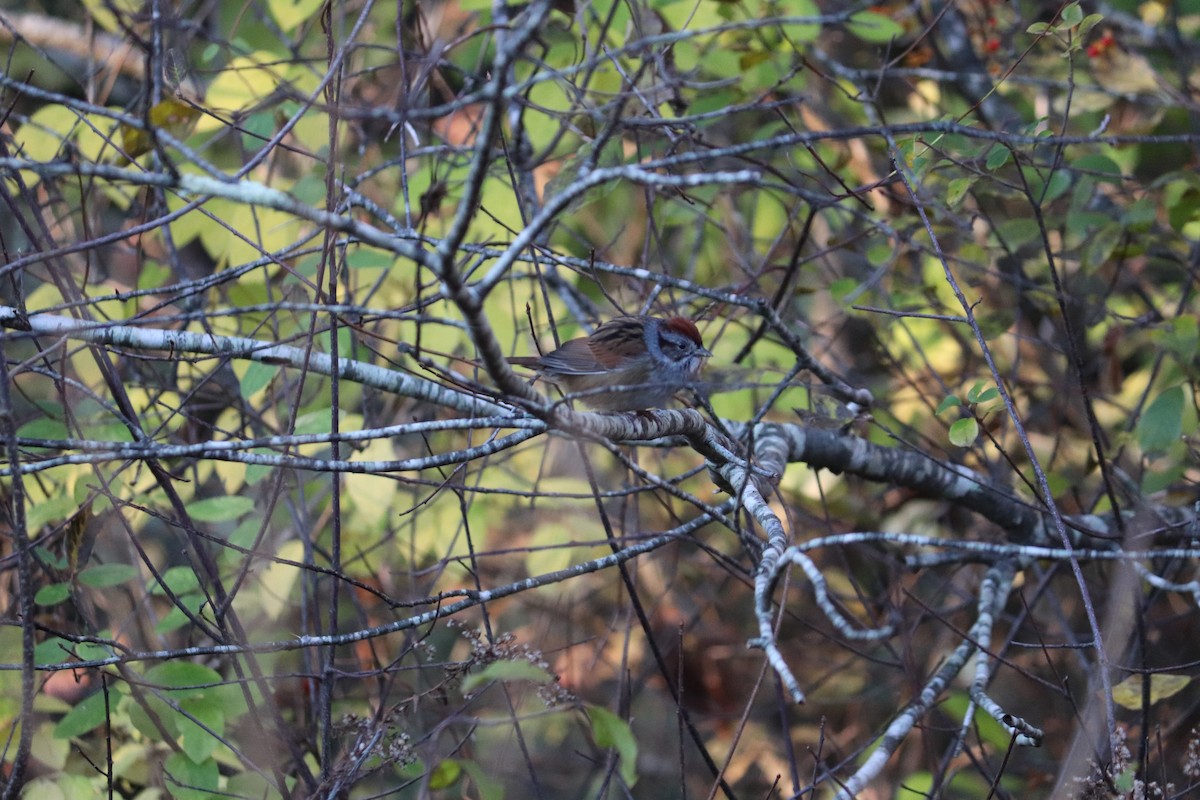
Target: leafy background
{"x": 800, "y": 178}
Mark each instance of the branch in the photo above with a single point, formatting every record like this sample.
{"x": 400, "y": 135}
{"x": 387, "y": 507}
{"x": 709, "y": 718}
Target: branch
{"x": 993, "y": 594}
{"x": 253, "y": 350}
{"x": 470, "y": 599}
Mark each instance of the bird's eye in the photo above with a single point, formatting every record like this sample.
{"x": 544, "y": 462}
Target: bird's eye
{"x": 670, "y": 345}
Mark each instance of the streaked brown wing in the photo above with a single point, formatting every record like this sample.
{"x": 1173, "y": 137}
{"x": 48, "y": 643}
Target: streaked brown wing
{"x": 573, "y": 358}
{"x": 618, "y": 340}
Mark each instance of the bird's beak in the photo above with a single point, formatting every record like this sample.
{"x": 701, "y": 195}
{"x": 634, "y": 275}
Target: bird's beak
{"x": 703, "y": 352}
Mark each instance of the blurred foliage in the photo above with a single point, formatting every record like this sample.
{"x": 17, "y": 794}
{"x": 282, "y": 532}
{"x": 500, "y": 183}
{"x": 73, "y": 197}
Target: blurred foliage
{"x": 1041, "y": 158}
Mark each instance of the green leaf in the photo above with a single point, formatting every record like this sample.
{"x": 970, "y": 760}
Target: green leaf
{"x": 507, "y": 671}
{"x": 1019, "y": 231}
{"x": 183, "y": 678}
{"x": 988, "y": 395}
{"x": 180, "y": 580}
{"x": 220, "y": 509}
{"x": 257, "y": 129}
{"x": 175, "y": 619}
{"x": 257, "y": 377}
{"x": 958, "y": 189}
{"x": 114, "y": 431}
{"x": 103, "y": 576}
{"x": 1098, "y": 166}
{"x": 984, "y": 725}
{"x": 53, "y": 651}
{"x": 94, "y": 651}
{"x": 197, "y": 742}
{"x": 315, "y": 421}
{"x": 187, "y": 780}
{"x": 981, "y": 392}
{"x": 842, "y": 287}
{"x": 917, "y": 786}
{"x": 753, "y": 59}
{"x": 53, "y": 594}
{"x": 52, "y": 752}
{"x": 1125, "y": 781}
{"x": 951, "y": 401}
{"x": 445, "y": 774}
{"x": 871, "y": 26}
{"x": 54, "y": 560}
{"x": 90, "y": 713}
{"x": 52, "y": 509}
{"x": 1182, "y": 339}
{"x": 1162, "y": 423}
{"x": 369, "y": 258}
{"x": 44, "y": 427}
{"x": 487, "y": 787}
{"x": 1161, "y": 479}
{"x": 1051, "y": 189}
{"x": 1141, "y": 214}
{"x": 964, "y": 432}
{"x": 609, "y": 730}
{"x": 145, "y": 712}
{"x": 803, "y": 32}
{"x": 1072, "y": 15}
{"x": 997, "y": 158}
{"x": 1184, "y": 209}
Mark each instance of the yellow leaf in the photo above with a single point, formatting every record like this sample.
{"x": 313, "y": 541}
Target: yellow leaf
{"x": 173, "y": 116}
{"x": 1128, "y": 693}
{"x": 104, "y": 12}
{"x": 43, "y": 135}
{"x": 246, "y": 81}
{"x": 372, "y": 495}
{"x": 276, "y": 582}
{"x": 292, "y": 13}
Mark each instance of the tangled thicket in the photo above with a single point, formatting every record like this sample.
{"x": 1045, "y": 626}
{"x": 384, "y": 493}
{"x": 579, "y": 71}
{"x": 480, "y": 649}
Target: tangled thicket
{"x": 280, "y": 520}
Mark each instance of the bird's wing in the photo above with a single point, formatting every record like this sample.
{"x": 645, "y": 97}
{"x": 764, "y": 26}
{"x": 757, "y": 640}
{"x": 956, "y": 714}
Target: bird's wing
{"x": 573, "y": 358}
{"x": 616, "y": 341}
